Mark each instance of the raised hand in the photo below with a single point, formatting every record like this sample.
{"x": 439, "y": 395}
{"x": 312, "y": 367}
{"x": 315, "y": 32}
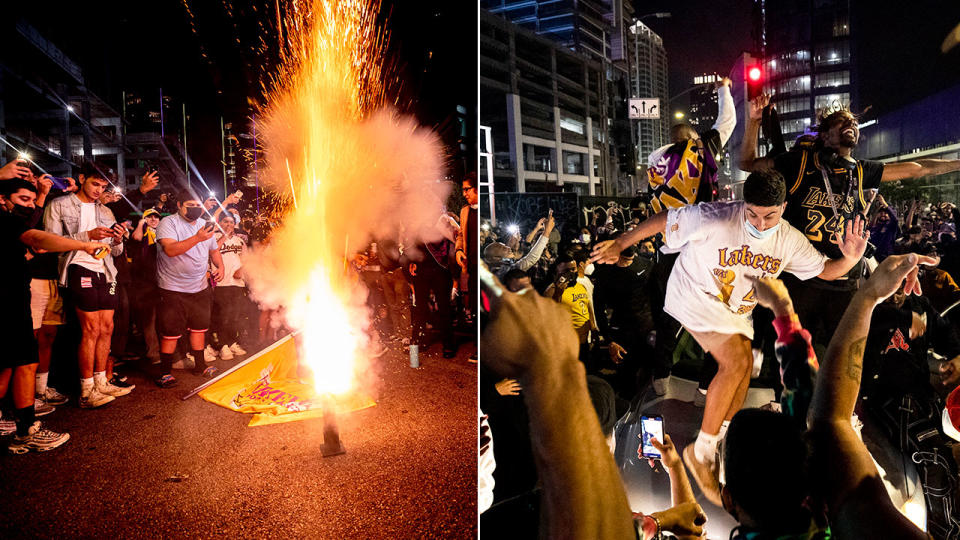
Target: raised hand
{"x": 757, "y": 105}
{"x": 855, "y": 238}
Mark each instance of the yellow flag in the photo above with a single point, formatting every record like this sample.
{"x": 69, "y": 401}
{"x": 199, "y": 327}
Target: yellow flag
{"x": 270, "y": 386}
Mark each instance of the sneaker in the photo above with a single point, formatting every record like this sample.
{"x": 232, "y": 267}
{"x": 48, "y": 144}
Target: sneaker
{"x": 704, "y": 474}
{"x": 167, "y": 381}
{"x": 121, "y": 382}
{"x": 237, "y": 350}
{"x": 185, "y": 363}
{"x": 52, "y": 397}
{"x": 660, "y": 385}
{"x": 41, "y": 408}
{"x": 207, "y": 373}
{"x": 225, "y": 353}
{"x": 772, "y": 406}
{"x": 209, "y": 355}
{"x": 7, "y": 427}
{"x": 111, "y": 390}
{"x": 700, "y": 399}
{"x": 39, "y": 439}
{"x": 94, "y": 399}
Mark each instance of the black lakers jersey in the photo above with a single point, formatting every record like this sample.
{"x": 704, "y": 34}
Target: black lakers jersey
{"x": 808, "y": 199}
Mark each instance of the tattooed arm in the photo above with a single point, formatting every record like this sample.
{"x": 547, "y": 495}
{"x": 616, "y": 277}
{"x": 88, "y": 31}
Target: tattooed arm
{"x": 843, "y": 472}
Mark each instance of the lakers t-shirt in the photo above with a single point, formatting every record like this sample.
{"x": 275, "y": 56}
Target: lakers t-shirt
{"x": 710, "y": 289}
{"x": 577, "y": 301}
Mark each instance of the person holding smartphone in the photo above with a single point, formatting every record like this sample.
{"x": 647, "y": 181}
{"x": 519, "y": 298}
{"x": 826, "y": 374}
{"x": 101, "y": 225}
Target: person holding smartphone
{"x": 91, "y": 281}
{"x": 187, "y": 248}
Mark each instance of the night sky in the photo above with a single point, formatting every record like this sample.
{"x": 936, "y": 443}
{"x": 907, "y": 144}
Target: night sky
{"x": 143, "y": 46}
{"x": 899, "y": 57}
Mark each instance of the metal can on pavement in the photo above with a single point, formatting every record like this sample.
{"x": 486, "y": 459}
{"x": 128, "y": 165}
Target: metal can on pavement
{"x": 414, "y": 356}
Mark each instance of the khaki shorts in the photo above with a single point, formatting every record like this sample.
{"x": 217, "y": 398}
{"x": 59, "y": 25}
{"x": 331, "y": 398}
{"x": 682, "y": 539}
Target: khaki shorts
{"x": 46, "y": 303}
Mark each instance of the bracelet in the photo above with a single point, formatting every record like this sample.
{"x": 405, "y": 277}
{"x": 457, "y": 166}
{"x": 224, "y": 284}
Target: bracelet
{"x": 659, "y": 533}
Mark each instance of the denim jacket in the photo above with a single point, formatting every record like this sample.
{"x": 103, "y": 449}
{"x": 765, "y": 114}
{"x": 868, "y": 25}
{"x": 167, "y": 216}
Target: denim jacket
{"x": 62, "y": 217}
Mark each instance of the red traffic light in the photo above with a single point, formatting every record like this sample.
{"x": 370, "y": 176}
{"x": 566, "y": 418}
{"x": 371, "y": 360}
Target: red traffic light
{"x": 754, "y": 74}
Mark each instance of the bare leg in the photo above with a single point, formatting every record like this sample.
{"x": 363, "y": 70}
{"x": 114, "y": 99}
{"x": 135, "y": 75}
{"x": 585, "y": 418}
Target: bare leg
{"x": 197, "y": 340}
{"x": 5, "y": 380}
{"x": 24, "y": 384}
{"x": 103, "y": 339}
{"x": 90, "y": 326}
{"x": 728, "y": 390}
{"x": 45, "y": 336}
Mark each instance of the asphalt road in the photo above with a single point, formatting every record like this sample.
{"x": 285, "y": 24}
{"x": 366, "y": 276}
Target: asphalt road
{"x": 149, "y": 465}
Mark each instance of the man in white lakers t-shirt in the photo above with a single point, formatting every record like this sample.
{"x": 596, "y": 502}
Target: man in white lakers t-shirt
{"x": 723, "y": 247}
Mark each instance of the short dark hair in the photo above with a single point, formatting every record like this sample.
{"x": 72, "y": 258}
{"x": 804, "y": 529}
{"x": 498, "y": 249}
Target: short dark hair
{"x": 564, "y": 258}
{"x": 90, "y": 169}
{"x": 514, "y": 274}
{"x": 226, "y": 215}
{"x": 186, "y": 194}
{"x": 471, "y": 179}
{"x": 604, "y": 403}
{"x": 682, "y": 132}
{"x": 765, "y": 188}
{"x": 765, "y": 462}
{"x": 9, "y": 187}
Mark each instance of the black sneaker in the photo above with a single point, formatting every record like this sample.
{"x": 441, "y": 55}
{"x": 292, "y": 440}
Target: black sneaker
{"x": 121, "y": 382}
{"x": 209, "y": 372}
{"x": 166, "y": 381}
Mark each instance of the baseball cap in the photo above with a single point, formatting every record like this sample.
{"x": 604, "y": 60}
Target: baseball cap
{"x": 150, "y": 212}
{"x": 951, "y": 415}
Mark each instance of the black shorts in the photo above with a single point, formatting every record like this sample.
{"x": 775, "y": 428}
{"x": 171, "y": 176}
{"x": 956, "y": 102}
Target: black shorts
{"x": 178, "y": 312}
{"x": 16, "y": 334}
{"x": 90, "y": 291}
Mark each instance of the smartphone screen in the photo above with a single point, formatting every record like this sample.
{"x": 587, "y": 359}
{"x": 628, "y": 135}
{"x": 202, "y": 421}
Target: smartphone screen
{"x": 650, "y": 427}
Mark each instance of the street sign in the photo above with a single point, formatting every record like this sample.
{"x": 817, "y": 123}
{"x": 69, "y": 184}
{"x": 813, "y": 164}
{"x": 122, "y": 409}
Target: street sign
{"x": 641, "y": 108}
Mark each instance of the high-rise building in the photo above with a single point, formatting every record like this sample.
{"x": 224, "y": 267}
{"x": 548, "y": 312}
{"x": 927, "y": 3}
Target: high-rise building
{"x": 703, "y": 102}
{"x": 807, "y": 61}
{"x": 648, "y": 79}
{"x": 546, "y": 110}
{"x": 581, "y": 25}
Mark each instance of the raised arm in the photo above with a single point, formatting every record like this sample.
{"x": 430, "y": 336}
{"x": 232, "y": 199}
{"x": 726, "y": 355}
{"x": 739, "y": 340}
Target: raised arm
{"x": 726, "y": 111}
{"x": 920, "y": 167}
{"x": 42, "y": 240}
{"x": 608, "y": 251}
{"x": 748, "y": 147}
{"x": 583, "y": 496}
{"x": 846, "y": 478}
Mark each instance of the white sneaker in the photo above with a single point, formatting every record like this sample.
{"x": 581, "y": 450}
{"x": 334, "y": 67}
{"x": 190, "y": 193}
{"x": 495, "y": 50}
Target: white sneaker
{"x": 209, "y": 355}
{"x": 93, "y": 399}
{"x": 7, "y": 426}
{"x": 52, "y": 397}
{"x": 225, "y": 353}
{"x": 186, "y": 363}
{"x": 38, "y": 439}
{"x": 660, "y": 385}
{"x": 237, "y": 350}
{"x": 110, "y": 390}
{"x": 41, "y": 408}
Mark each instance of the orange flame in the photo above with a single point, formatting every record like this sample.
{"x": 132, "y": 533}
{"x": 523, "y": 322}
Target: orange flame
{"x": 346, "y": 168}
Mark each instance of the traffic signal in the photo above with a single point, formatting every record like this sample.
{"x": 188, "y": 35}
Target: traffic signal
{"x": 754, "y": 77}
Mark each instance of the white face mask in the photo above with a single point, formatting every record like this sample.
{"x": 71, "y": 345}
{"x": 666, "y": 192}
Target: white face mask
{"x": 588, "y": 270}
{"x": 757, "y": 233}
{"x": 585, "y": 238}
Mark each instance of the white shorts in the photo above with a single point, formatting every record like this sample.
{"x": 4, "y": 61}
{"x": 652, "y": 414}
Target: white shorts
{"x": 46, "y": 303}
{"x": 701, "y": 312}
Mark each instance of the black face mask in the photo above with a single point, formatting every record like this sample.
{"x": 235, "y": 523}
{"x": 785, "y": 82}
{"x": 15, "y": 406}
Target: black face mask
{"x": 571, "y": 278}
{"x": 23, "y": 212}
{"x": 194, "y": 212}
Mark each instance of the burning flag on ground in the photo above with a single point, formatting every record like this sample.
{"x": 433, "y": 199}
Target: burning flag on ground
{"x": 270, "y": 386}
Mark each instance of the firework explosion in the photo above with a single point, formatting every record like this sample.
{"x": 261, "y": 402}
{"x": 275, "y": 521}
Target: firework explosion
{"x": 347, "y": 169}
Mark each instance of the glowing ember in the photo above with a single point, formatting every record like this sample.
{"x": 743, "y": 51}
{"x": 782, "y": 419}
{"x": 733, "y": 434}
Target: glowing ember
{"x": 346, "y": 168}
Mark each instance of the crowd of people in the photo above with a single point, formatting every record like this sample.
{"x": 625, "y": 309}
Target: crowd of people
{"x": 812, "y": 263}
{"x": 154, "y": 281}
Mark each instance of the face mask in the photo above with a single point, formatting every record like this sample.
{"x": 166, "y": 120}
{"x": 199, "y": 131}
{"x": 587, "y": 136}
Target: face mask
{"x": 571, "y": 278}
{"x": 754, "y": 232}
{"x": 23, "y": 212}
{"x": 193, "y": 212}
{"x": 585, "y": 238}
{"x": 588, "y": 270}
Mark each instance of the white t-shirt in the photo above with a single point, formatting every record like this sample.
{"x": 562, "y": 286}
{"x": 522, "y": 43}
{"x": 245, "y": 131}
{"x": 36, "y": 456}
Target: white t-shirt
{"x": 88, "y": 222}
{"x": 709, "y": 289}
{"x": 232, "y": 251}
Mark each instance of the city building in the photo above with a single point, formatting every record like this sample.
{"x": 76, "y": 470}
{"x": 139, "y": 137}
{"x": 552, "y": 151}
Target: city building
{"x": 546, "y": 109}
{"x": 807, "y": 60}
{"x": 703, "y": 103}
{"x": 606, "y": 39}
